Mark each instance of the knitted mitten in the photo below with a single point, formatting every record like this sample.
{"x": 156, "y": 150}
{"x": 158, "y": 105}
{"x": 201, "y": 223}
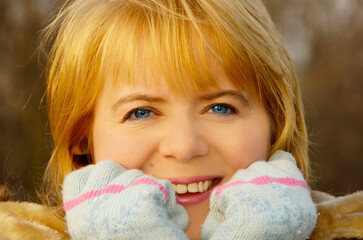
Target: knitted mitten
{"x": 268, "y": 200}
{"x": 106, "y": 201}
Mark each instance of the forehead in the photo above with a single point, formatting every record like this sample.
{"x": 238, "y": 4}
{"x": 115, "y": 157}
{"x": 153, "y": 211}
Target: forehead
{"x": 146, "y": 78}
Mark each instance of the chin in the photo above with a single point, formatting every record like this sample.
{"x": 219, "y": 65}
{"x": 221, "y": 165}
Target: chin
{"x": 197, "y": 214}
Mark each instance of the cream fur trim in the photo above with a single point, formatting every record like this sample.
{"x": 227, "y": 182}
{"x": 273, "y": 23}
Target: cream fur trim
{"x": 29, "y": 221}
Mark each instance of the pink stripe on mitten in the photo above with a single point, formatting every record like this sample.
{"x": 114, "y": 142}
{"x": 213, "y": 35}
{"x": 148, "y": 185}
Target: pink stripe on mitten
{"x": 263, "y": 180}
{"x": 112, "y": 189}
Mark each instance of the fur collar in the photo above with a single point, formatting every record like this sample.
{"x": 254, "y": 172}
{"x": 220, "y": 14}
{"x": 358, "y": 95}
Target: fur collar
{"x": 339, "y": 218}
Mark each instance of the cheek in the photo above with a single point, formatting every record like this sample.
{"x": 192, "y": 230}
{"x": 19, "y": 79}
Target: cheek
{"x": 130, "y": 151}
{"x": 248, "y": 151}
{"x": 245, "y": 145}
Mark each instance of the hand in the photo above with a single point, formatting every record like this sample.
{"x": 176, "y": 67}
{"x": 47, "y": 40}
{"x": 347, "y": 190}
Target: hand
{"x": 106, "y": 201}
{"x": 268, "y": 200}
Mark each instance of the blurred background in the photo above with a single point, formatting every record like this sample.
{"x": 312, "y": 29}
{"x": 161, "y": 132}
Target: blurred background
{"x": 324, "y": 39}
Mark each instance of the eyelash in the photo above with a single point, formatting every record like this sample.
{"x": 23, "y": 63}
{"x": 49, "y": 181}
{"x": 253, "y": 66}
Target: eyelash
{"x": 128, "y": 117}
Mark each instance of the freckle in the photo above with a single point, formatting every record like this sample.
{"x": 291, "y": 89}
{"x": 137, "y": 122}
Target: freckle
{"x": 151, "y": 165}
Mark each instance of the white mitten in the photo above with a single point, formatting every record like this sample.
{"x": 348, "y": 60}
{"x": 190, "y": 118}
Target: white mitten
{"x": 268, "y": 200}
{"x": 106, "y": 201}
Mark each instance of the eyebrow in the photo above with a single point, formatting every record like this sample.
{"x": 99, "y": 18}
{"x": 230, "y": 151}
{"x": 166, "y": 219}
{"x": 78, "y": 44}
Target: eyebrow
{"x": 206, "y": 97}
{"x": 135, "y": 97}
{"x": 230, "y": 93}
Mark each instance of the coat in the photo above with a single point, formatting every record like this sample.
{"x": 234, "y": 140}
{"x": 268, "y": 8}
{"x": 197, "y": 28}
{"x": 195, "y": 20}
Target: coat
{"x": 338, "y": 218}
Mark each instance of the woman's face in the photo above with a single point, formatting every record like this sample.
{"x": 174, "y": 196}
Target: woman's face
{"x": 193, "y": 141}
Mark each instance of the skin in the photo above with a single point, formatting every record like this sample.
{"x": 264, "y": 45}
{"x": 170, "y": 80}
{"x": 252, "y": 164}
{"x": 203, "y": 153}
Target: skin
{"x": 214, "y": 141}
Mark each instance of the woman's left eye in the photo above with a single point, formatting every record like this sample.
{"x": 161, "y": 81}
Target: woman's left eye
{"x": 222, "y": 109}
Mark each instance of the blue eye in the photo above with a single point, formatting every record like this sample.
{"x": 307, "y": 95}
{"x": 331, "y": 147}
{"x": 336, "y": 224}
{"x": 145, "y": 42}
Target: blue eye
{"x": 142, "y": 113}
{"x": 138, "y": 114}
{"x": 220, "y": 109}
{"x": 223, "y": 109}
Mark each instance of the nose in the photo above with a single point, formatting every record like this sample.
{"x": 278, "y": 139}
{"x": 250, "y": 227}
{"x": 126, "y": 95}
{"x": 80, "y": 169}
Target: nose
{"x": 182, "y": 140}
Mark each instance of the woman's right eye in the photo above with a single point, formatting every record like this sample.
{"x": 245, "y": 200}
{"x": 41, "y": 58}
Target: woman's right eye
{"x": 139, "y": 114}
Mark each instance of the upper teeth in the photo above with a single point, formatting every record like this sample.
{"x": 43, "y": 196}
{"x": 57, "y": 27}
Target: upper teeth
{"x": 201, "y": 186}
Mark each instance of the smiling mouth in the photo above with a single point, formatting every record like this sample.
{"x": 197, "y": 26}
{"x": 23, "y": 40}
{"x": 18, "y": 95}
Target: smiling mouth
{"x": 196, "y": 187}
{"x": 194, "y": 190}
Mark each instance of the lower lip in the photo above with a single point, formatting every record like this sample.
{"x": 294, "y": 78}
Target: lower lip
{"x": 193, "y": 198}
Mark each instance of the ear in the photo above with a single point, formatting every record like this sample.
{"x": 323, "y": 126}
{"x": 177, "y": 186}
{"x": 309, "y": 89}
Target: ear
{"x": 81, "y": 154}
{"x": 81, "y": 148}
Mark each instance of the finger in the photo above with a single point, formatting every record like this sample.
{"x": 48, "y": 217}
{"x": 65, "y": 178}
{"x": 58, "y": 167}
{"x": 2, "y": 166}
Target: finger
{"x": 178, "y": 215}
{"x": 128, "y": 177}
{"x": 176, "y": 212}
{"x": 213, "y": 221}
{"x": 102, "y": 174}
{"x": 284, "y": 161}
{"x": 75, "y": 181}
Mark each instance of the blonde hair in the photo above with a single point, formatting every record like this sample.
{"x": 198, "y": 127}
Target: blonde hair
{"x": 92, "y": 38}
